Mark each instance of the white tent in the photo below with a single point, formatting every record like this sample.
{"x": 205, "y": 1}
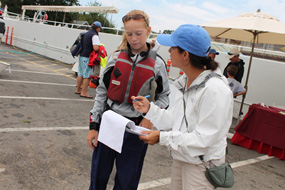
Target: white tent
{"x": 251, "y": 27}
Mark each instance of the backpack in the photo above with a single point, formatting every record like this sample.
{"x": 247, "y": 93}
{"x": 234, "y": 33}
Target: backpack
{"x": 77, "y": 45}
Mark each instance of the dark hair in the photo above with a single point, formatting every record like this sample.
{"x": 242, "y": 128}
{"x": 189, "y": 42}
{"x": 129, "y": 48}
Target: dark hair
{"x": 200, "y": 62}
{"x": 95, "y": 26}
{"x": 232, "y": 70}
{"x": 152, "y": 44}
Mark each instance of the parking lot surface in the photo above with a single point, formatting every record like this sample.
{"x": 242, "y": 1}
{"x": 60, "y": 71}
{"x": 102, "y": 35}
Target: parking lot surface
{"x": 44, "y": 126}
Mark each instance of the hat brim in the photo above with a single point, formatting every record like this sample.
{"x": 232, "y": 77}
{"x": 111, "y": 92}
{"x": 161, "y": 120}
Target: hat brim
{"x": 165, "y": 40}
{"x": 230, "y": 56}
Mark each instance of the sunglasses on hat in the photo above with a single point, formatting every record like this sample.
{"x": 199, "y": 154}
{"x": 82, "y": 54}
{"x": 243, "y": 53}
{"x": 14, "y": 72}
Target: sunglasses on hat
{"x": 134, "y": 17}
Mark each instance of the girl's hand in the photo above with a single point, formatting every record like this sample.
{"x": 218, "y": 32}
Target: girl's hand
{"x": 146, "y": 124}
{"x": 141, "y": 104}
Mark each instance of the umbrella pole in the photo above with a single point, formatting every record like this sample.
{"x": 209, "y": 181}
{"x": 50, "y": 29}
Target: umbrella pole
{"x": 246, "y": 81}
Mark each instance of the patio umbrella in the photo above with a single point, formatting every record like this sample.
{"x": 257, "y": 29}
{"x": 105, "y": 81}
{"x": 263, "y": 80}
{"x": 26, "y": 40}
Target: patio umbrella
{"x": 254, "y": 27}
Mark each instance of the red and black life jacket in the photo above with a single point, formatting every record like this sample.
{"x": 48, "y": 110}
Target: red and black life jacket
{"x": 129, "y": 79}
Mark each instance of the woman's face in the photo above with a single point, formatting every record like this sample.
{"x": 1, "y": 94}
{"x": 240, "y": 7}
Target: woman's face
{"x": 176, "y": 57}
{"x": 137, "y": 33}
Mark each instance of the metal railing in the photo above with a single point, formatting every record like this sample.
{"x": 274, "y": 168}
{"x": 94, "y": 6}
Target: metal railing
{"x": 116, "y": 31}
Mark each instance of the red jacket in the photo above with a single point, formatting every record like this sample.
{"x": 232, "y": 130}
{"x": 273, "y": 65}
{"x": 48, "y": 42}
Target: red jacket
{"x": 95, "y": 57}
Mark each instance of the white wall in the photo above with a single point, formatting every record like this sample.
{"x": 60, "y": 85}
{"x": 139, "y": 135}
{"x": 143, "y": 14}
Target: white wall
{"x": 52, "y": 41}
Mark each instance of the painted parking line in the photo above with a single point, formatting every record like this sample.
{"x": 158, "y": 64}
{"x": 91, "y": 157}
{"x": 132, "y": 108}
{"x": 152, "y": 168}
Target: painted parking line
{"x": 156, "y": 183}
{"x": 47, "y": 98}
{"x": 250, "y": 161}
{"x": 48, "y": 65}
{"x": 2, "y": 170}
{"x": 167, "y": 181}
{"x": 34, "y": 72}
{"x": 43, "y": 129}
{"x": 61, "y": 69}
{"x": 33, "y": 82}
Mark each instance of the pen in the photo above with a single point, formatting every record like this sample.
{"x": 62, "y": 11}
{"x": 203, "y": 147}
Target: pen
{"x": 147, "y": 96}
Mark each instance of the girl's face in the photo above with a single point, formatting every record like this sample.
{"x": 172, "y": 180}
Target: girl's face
{"x": 137, "y": 33}
{"x": 176, "y": 57}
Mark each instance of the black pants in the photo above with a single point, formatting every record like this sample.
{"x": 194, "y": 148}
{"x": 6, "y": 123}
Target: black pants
{"x": 128, "y": 164}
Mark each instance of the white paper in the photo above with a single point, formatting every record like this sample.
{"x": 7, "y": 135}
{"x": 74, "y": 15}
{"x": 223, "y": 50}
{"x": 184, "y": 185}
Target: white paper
{"x": 132, "y": 128}
{"x": 112, "y": 130}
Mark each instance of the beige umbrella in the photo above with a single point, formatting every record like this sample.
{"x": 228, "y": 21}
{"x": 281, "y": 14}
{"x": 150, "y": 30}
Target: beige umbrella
{"x": 251, "y": 27}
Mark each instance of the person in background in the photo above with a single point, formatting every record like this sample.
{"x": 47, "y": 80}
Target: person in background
{"x": 2, "y": 27}
{"x": 212, "y": 53}
{"x": 198, "y": 123}
{"x": 135, "y": 69}
{"x": 90, "y": 43}
{"x": 235, "y": 86}
{"x": 233, "y": 55}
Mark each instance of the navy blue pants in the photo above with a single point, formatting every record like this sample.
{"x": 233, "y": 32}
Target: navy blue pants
{"x": 128, "y": 164}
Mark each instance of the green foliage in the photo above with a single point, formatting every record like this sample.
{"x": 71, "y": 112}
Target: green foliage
{"x": 92, "y": 17}
{"x": 168, "y": 31}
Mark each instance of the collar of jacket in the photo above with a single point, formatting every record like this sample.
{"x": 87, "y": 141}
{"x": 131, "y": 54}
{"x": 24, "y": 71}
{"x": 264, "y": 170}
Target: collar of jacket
{"x": 142, "y": 54}
{"x": 199, "y": 82}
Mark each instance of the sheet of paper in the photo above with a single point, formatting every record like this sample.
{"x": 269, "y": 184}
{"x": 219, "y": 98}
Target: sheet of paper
{"x": 132, "y": 128}
{"x": 113, "y": 127}
{"x": 112, "y": 130}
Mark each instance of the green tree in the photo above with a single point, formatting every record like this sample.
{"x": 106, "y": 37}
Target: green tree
{"x": 167, "y": 31}
{"x": 91, "y": 17}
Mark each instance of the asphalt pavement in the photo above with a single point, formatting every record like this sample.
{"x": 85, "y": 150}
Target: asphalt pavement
{"x": 44, "y": 126}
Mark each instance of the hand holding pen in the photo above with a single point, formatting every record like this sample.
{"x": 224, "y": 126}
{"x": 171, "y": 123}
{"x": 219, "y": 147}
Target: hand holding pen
{"x": 141, "y": 103}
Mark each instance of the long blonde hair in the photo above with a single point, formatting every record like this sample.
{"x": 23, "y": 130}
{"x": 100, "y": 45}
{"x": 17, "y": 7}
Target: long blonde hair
{"x": 123, "y": 45}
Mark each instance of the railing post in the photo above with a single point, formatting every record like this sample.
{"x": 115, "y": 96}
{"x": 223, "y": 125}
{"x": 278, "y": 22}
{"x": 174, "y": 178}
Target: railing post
{"x": 7, "y": 35}
{"x": 11, "y": 38}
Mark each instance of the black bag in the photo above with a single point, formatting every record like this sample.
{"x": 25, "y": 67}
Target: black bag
{"x": 77, "y": 45}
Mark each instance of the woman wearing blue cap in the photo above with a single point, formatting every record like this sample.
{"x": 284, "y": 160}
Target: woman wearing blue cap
{"x": 198, "y": 122}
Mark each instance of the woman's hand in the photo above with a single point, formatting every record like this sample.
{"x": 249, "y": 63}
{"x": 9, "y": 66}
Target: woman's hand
{"x": 151, "y": 138}
{"x": 141, "y": 104}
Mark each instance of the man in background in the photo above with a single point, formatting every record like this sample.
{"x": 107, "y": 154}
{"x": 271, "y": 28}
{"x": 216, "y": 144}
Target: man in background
{"x": 2, "y": 26}
{"x": 90, "y": 43}
{"x": 233, "y": 55}
{"x": 212, "y": 53}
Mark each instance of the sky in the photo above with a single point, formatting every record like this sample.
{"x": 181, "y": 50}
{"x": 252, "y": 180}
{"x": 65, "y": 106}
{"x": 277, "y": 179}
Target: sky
{"x": 169, "y": 14}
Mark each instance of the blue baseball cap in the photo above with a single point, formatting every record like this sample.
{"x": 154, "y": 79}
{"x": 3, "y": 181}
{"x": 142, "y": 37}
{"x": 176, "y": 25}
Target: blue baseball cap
{"x": 96, "y": 23}
{"x": 192, "y": 38}
{"x": 214, "y": 51}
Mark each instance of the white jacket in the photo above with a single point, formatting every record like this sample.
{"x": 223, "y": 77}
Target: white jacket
{"x": 208, "y": 111}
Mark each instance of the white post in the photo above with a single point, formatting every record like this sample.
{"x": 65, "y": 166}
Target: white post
{"x": 23, "y": 14}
